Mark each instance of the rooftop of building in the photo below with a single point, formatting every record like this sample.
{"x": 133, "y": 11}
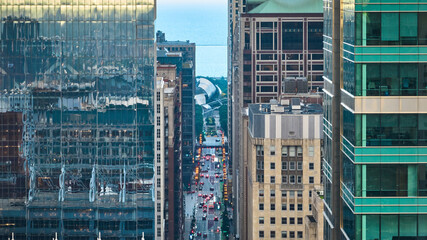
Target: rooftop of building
{"x": 166, "y": 53}
{"x": 286, "y": 106}
{"x": 177, "y": 42}
{"x": 287, "y": 6}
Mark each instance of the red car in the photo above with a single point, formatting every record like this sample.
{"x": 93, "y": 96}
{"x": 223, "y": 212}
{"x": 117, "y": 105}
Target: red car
{"x": 215, "y": 218}
{"x": 207, "y": 175}
{"x": 205, "y": 210}
{"x": 216, "y": 176}
{"x": 199, "y": 195}
{"x": 202, "y": 183}
{"x": 202, "y": 175}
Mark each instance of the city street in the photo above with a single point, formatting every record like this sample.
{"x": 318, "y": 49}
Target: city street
{"x": 206, "y": 197}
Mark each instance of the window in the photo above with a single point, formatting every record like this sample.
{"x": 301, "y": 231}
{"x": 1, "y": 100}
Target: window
{"x": 309, "y": 207}
{"x": 299, "y": 194}
{"x": 272, "y": 166}
{"x": 261, "y": 220}
{"x": 299, "y": 207}
{"x": 283, "y": 206}
{"x": 299, "y": 151}
{"x": 260, "y": 150}
{"x": 261, "y": 206}
{"x": 299, "y": 177}
{"x": 261, "y": 192}
{"x": 272, "y": 193}
{"x": 284, "y": 151}
{"x": 390, "y": 28}
{"x": 284, "y": 193}
{"x": 299, "y": 234}
{"x": 292, "y": 165}
{"x": 292, "y": 234}
{"x": 292, "y": 179}
{"x": 311, "y": 151}
{"x": 299, "y": 165}
{"x": 260, "y": 164}
{"x": 284, "y": 234}
{"x": 272, "y": 179}
{"x": 272, "y": 234}
{"x": 291, "y": 220}
{"x": 272, "y": 220}
{"x": 292, "y": 35}
{"x": 272, "y": 206}
{"x": 315, "y": 35}
{"x": 310, "y": 193}
{"x": 311, "y": 180}
{"x": 261, "y": 234}
{"x": 284, "y": 220}
{"x": 291, "y": 194}
{"x": 299, "y": 221}
{"x": 291, "y": 151}
{"x": 285, "y": 179}
{"x": 291, "y": 207}
{"x": 265, "y": 41}
{"x": 272, "y": 150}
{"x": 284, "y": 165}
{"x": 260, "y": 177}
{"x": 311, "y": 166}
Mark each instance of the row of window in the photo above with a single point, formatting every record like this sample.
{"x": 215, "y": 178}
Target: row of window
{"x": 284, "y": 234}
{"x": 388, "y": 28}
{"x": 293, "y": 179}
{"x": 284, "y": 193}
{"x": 386, "y": 180}
{"x": 284, "y": 207}
{"x": 385, "y": 129}
{"x": 291, "y": 151}
{"x": 287, "y": 56}
{"x": 292, "y": 164}
{"x": 284, "y": 220}
{"x": 389, "y": 79}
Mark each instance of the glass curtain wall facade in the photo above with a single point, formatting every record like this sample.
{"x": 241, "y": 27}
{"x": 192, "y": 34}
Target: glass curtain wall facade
{"x": 76, "y": 80}
{"x": 383, "y": 136}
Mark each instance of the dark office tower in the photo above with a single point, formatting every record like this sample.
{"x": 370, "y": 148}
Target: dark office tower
{"x": 375, "y": 120}
{"x": 188, "y": 75}
{"x": 76, "y": 119}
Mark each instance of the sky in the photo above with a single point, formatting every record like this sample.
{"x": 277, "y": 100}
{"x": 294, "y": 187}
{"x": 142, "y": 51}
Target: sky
{"x": 201, "y": 21}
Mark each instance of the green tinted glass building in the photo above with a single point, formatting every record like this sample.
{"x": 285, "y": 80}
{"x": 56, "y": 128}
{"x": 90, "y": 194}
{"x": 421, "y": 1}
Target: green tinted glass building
{"x": 375, "y": 121}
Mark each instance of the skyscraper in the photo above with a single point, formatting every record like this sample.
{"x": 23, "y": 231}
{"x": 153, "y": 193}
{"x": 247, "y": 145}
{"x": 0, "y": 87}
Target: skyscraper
{"x": 375, "y": 120}
{"x": 76, "y": 81}
{"x": 188, "y": 77}
{"x": 269, "y": 42}
{"x": 281, "y": 169}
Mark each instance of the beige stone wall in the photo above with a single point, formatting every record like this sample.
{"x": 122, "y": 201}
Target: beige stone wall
{"x": 253, "y": 188}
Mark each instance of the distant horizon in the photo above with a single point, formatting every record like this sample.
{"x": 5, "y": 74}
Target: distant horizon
{"x": 182, "y": 21}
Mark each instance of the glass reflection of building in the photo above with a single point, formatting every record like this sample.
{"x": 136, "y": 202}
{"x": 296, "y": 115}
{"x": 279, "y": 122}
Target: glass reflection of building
{"x": 76, "y": 120}
{"x": 379, "y": 71}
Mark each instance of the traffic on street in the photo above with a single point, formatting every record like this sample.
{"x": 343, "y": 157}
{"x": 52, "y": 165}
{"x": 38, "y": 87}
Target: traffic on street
{"x": 203, "y": 202}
